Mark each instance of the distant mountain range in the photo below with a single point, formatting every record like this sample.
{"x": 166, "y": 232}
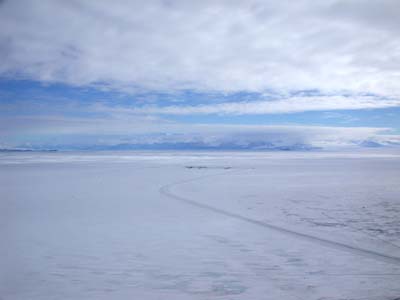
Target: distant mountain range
{"x": 375, "y": 144}
{"x": 203, "y": 146}
{"x": 26, "y": 150}
{"x": 260, "y": 146}
{"x": 225, "y": 146}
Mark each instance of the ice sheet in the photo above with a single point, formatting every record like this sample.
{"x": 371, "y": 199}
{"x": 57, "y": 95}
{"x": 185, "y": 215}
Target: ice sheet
{"x": 98, "y": 225}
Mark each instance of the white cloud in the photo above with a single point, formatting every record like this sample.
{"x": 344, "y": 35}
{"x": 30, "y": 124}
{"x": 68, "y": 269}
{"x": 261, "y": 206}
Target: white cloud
{"x": 89, "y": 125}
{"x": 223, "y": 46}
{"x": 55, "y": 130}
{"x": 288, "y": 105}
{"x": 212, "y": 47}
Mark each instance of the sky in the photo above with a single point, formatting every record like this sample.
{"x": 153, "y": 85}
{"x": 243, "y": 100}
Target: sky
{"x": 80, "y": 74}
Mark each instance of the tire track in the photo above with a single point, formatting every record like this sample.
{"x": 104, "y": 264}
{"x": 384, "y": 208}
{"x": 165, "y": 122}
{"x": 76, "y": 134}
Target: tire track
{"x": 166, "y": 191}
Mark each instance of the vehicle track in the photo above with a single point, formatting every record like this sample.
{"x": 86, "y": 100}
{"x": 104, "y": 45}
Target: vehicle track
{"x": 166, "y": 191}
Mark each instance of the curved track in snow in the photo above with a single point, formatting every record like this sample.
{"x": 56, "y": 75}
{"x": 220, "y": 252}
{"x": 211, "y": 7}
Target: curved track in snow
{"x": 166, "y": 191}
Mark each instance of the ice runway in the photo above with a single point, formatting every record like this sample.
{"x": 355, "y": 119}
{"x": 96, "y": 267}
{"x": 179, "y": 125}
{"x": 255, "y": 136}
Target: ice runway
{"x": 259, "y": 225}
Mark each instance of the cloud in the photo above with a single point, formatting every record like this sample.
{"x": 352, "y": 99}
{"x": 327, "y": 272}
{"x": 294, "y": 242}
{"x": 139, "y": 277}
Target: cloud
{"x": 77, "y": 125}
{"x": 287, "y": 105}
{"x": 204, "y": 58}
{"x": 225, "y": 46}
{"x": 52, "y": 131}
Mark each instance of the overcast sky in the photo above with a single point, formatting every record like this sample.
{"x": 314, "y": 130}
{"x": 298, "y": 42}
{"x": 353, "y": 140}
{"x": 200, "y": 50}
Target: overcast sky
{"x": 109, "y": 72}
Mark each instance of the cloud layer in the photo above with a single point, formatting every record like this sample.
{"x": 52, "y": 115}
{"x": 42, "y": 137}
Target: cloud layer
{"x": 224, "y": 46}
{"x": 155, "y": 62}
{"x": 60, "y": 131}
{"x": 288, "y": 105}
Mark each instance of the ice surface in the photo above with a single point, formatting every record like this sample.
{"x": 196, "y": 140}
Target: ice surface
{"x": 193, "y": 225}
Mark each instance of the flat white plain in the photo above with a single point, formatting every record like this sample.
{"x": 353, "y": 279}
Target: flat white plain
{"x": 196, "y": 225}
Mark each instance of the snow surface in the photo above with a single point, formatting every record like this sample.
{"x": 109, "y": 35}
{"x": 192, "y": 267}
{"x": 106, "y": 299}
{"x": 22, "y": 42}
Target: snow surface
{"x": 197, "y": 225}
